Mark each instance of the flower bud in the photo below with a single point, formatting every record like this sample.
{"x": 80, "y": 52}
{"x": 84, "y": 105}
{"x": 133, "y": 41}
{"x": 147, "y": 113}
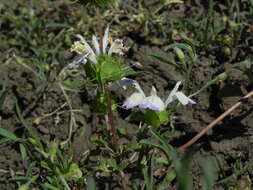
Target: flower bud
{"x": 179, "y": 54}
{"x": 226, "y": 51}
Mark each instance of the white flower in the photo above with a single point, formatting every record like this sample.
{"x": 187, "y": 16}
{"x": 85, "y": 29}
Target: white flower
{"x": 139, "y": 98}
{"x": 136, "y": 98}
{"x": 85, "y": 52}
{"x": 175, "y": 94}
{"x": 153, "y": 101}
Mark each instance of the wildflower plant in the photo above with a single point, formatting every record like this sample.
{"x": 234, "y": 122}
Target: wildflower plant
{"x": 103, "y": 68}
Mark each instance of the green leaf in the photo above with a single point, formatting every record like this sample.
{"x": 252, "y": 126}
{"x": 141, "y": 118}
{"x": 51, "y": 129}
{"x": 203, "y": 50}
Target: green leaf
{"x": 4, "y": 140}
{"x": 53, "y": 147}
{"x": 74, "y": 172}
{"x": 181, "y": 166}
{"x": 171, "y": 174}
{"x": 148, "y": 142}
{"x": 45, "y": 165}
{"x": 110, "y": 70}
{"x": 164, "y": 60}
{"x": 98, "y": 141}
{"x": 23, "y": 151}
{"x": 21, "y": 62}
{"x": 148, "y": 173}
{"x": 57, "y": 25}
{"x": 30, "y": 169}
{"x": 91, "y": 185}
{"x": 209, "y": 168}
{"x": 9, "y": 135}
{"x": 50, "y": 187}
{"x": 132, "y": 146}
{"x": 184, "y": 46}
{"x": 162, "y": 160}
{"x": 111, "y": 163}
{"x": 156, "y": 118}
{"x": 187, "y": 39}
{"x": 23, "y": 122}
{"x": 19, "y": 178}
{"x": 122, "y": 131}
{"x": 122, "y": 166}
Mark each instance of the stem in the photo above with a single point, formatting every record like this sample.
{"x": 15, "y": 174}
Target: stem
{"x": 110, "y": 120}
{"x": 64, "y": 182}
{"x": 72, "y": 116}
{"x": 124, "y": 180}
{"x": 213, "y": 123}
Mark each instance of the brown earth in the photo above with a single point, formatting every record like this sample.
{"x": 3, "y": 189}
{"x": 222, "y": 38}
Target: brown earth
{"x": 230, "y": 137}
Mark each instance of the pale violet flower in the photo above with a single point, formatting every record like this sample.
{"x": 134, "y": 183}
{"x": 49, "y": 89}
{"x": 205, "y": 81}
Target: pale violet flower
{"x": 136, "y": 98}
{"x": 87, "y": 53}
{"x": 139, "y": 99}
{"x": 153, "y": 101}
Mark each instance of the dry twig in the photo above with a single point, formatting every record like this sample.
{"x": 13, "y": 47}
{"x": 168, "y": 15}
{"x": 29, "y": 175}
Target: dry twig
{"x": 213, "y": 123}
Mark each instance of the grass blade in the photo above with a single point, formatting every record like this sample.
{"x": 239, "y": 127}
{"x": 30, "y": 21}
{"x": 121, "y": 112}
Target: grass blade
{"x": 164, "y": 60}
{"x": 9, "y": 135}
{"x": 91, "y": 185}
{"x": 2, "y": 98}
{"x": 209, "y": 168}
{"x": 20, "y": 61}
{"x": 23, "y": 122}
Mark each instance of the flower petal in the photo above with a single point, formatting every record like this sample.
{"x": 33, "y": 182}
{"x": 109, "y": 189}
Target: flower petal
{"x": 105, "y": 39}
{"x": 92, "y": 55}
{"x": 78, "y": 47}
{"x": 172, "y": 97}
{"x": 116, "y": 47}
{"x": 183, "y": 99}
{"x": 96, "y": 44}
{"x": 138, "y": 87}
{"x": 153, "y": 103}
{"x": 79, "y": 60}
{"x": 134, "y": 100}
{"x": 153, "y": 91}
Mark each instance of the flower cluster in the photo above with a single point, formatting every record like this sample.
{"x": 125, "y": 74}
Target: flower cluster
{"x": 92, "y": 55}
{"x": 86, "y": 53}
{"x": 153, "y": 101}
